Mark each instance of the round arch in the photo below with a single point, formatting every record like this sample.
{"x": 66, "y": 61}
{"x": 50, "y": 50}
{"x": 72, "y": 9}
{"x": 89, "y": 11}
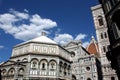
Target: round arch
{"x": 34, "y": 59}
{"x": 89, "y": 79}
{"x": 3, "y": 72}
{"x": 21, "y": 71}
{"x": 24, "y": 59}
{"x": 52, "y": 64}
{"x": 34, "y": 63}
{"x": 74, "y": 77}
{"x": 100, "y": 20}
{"x": 43, "y": 64}
{"x": 11, "y": 71}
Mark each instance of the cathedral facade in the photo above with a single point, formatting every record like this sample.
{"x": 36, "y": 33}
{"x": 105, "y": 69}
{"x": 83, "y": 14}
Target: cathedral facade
{"x": 85, "y": 65}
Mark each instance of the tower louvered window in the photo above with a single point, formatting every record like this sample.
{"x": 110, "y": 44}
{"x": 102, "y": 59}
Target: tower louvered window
{"x": 100, "y": 20}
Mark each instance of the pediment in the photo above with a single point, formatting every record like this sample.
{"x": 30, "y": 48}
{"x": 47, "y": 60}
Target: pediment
{"x": 70, "y": 44}
{"x": 6, "y": 63}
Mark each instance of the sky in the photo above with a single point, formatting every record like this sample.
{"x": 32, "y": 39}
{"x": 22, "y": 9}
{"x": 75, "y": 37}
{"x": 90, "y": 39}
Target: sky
{"x": 62, "y": 20}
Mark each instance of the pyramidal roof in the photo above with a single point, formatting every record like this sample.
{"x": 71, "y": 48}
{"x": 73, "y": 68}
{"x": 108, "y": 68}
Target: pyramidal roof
{"x": 41, "y": 39}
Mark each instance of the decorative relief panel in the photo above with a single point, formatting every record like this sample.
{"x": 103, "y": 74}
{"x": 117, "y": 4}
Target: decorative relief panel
{"x": 35, "y": 48}
{"x": 20, "y": 50}
{"x": 45, "y": 49}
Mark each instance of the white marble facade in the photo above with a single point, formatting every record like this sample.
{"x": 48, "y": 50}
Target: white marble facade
{"x": 84, "y": 65}
{"x": 38, "y": 59}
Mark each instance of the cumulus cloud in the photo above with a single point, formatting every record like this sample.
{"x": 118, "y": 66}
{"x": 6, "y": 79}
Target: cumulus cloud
{"x": 85, "y": 44}
{"x": 1, "y": 46}
{"x": 63, "y": 38}
{"x": 19, "y": 14}
{"x": 24, "y": 26}
{"x": 80, "y": 37}
{"x": 66, "y": 38}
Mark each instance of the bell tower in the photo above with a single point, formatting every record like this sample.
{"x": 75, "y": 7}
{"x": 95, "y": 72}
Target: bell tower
{"x": 101, "y": 32}
{"x": 103, "y": 41}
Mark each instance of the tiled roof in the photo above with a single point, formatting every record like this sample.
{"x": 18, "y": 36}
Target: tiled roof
{"x": 93, "y": 47}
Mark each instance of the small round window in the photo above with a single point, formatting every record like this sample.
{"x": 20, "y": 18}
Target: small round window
{"x": 88, "y": 68}
{"x": 72, "y": 54}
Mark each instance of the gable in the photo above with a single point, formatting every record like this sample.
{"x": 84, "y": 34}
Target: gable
{"x": 6, "y": 63}
{"x": 70, "y": 44}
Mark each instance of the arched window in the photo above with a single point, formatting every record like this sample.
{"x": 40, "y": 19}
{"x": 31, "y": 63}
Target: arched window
{"x": 88, "y": 79}
{"x": 43, "y": 65}
{"x": 69, "y": 68}
{"x": 11, "y": 71}
{"x": 34, "y": 64}
{"x": 21, "y": 71}
{"x": 52, "y": 65}
{"x": 65, "y": 68}
{"x": 74, "y": 77}
{"x": 112, "y": 78}
{"x": 100, "y": 20}
{"x": 3, "y": 72}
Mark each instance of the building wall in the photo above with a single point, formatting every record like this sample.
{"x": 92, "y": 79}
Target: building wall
{"x": 84, "y": 65}
{"x": 103, "y": 41}
{"x": 112, "y": 13}
{"x": 38, "y": 65}
{"x": 110, "y": 8}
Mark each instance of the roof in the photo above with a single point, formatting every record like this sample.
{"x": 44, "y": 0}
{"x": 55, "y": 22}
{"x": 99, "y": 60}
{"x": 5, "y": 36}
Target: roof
{"x": 93, "y": 47}
{"x": 41, "y": 39}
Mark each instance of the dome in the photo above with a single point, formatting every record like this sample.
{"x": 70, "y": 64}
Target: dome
{"x": 93, "y": 47}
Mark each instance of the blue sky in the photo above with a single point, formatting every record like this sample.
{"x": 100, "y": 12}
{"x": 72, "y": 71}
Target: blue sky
{"x": 62, "y": 20}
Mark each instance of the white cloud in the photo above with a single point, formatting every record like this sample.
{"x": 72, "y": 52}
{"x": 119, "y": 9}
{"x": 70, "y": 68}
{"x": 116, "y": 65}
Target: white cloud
{"x": 85, "y": 44}
{"x": 44, "y": 23}
{"x": 26, "y": 10}
{"x": 24, "y": 26}
{"x": 19, "y": 14}
{"x": 57, "y": 31}
{"x": 66, "y": 38}
{"x": 7, "y": 19}
{"x": 80, "y": 37}
{"x": 1, "y": 46}
{"x": 63, "y": 38}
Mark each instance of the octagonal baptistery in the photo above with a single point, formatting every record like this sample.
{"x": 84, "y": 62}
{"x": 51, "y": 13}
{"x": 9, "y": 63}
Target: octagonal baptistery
{"x": 40, "y": 59}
